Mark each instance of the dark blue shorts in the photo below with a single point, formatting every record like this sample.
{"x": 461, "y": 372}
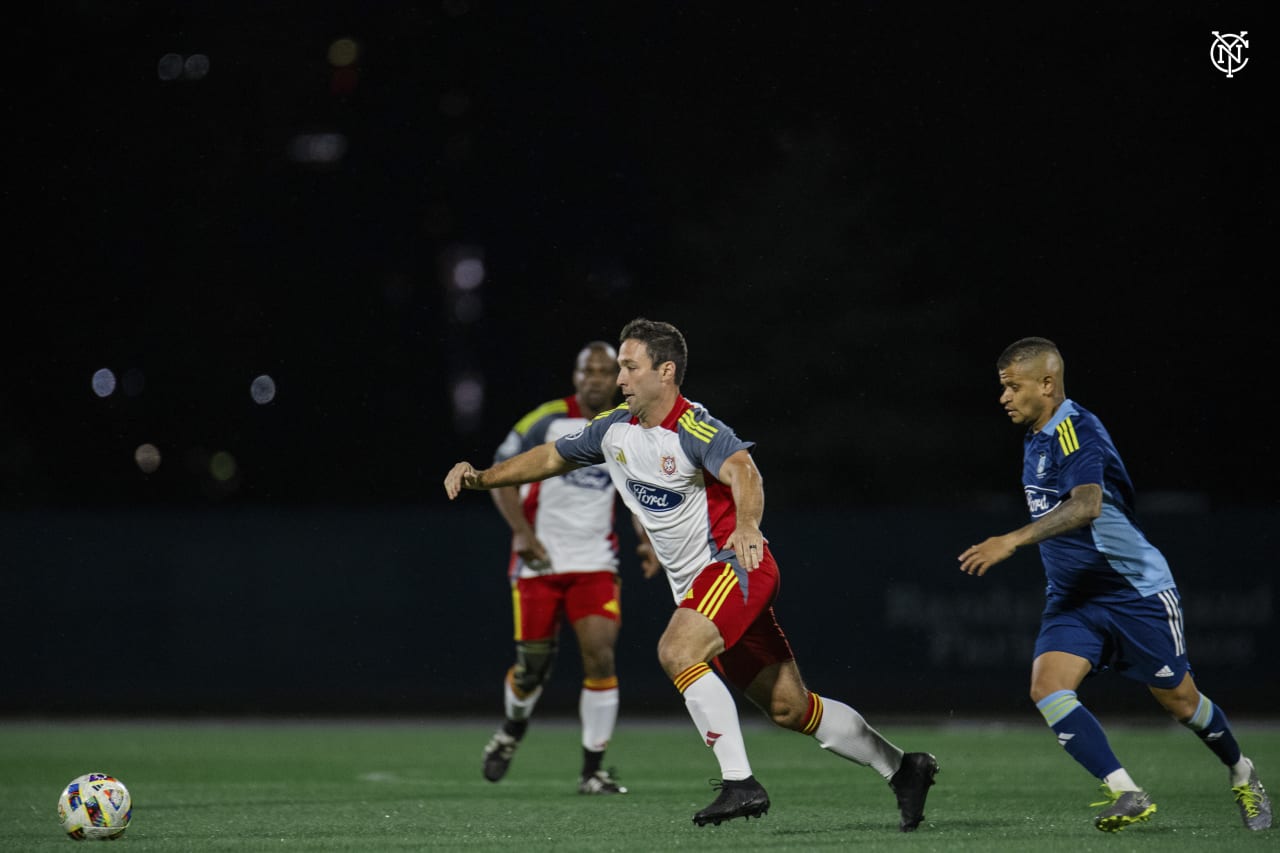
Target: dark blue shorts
{"x": 1139, "y": 637}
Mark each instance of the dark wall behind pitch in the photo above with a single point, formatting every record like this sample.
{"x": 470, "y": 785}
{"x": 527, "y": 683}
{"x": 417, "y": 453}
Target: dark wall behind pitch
{"x": 406, "y": 611}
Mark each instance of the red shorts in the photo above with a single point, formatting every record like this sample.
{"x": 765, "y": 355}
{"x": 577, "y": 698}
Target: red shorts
{"x": 538, "y": 603}
{"x": 753, "y": 639}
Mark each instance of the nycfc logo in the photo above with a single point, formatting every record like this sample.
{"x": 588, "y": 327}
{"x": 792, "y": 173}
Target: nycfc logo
{"x": 654, "y": 498}
{"x": 1227, "y": 52}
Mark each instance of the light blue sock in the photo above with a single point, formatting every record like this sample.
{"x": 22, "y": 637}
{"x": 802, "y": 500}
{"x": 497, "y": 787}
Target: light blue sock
{"x": 1079, "y": 732}
{"x": 1211, "y": 726}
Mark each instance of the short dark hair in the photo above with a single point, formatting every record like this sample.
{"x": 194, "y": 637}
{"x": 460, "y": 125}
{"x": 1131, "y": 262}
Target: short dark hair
{"x": 1025, "y": 348}
{"x": 663, "y": 341}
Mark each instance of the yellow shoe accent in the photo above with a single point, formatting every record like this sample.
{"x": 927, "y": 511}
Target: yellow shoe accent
{"x": 1125, "y": 809}
{"x": 1255, "y": 805}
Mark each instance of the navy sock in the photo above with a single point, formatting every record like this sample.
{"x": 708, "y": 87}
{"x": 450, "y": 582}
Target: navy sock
{"x": 1079, "y": 732}
{"x": 590, "y": 762}
{"x": 1211, "y": 726}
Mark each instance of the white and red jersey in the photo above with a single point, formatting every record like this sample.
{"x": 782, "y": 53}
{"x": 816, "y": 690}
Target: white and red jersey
{"x": 665, "y": 476}
{"x": 573, "y": 514}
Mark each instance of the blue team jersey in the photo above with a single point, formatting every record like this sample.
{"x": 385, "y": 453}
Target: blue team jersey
{"x": 1111, "y": 556}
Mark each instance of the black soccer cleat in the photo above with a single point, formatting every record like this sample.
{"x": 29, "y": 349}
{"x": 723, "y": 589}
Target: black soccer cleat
{"x": 497, "y": 755}
{"x": 911, "y": 785}
{"x": 600, "y": 782}
{"x": 738, "y": 798}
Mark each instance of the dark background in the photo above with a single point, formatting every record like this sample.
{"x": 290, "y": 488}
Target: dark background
{"x": 849, "y": 208}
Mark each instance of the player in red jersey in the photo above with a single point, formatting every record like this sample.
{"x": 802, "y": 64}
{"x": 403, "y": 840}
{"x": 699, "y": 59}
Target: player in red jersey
{"x": 694, "y": 487}
{"x": 564, "y": 566}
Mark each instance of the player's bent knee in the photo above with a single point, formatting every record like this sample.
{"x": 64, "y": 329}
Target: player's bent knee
{"x": 1180, "y": 709}
{"x": 788, "y": 718}
{"x": 534, "y": 662}
{"x": 598, "y": 663}
{"x": 789, "y": 712}
{"x": 1041, "y": 689}
{"x": 674, "y": 655}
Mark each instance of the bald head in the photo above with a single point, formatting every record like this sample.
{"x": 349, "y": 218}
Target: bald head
{"x": 595, "y": 377}
{"x": 595, "y": 346}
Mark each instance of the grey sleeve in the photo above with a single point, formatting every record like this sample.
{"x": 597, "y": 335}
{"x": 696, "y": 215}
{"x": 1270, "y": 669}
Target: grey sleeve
{"x": 711, "y": 442}
{"x": 585, "y": 446}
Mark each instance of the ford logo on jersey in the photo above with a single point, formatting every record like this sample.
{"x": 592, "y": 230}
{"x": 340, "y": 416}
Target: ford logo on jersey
{"x": 655, "y": 498}
{"x": 594, "y": 477}
{"x": 1039, "y": 502}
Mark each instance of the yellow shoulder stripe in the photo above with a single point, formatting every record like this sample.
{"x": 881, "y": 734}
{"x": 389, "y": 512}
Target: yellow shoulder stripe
{"x": 696, "y": 428}
{"x": 1067, "y": 438}
{"x": 555, "y": 407}
{"x": 622, "y": 406}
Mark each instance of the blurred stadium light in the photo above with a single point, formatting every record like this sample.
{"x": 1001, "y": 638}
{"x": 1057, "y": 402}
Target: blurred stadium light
{"x": 318, "y": 149}
{"x": 104, "y": 382}
{"x": 462, "y": 273}
{"x": 133, "y": 382}
{"x": 147, "y": 456}
{"x": 174, "y": 66}
{"x": 468, "y": 401}
{"x": 262, "y": 389}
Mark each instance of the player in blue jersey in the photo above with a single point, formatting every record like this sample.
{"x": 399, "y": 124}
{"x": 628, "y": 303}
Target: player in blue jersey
{"x": 1111, "y": 599}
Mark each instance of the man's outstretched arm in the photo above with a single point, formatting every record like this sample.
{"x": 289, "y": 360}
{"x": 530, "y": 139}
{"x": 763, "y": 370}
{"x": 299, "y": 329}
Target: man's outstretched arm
{"x": 1081, "y": 507}
{"x": 536, "y": 463}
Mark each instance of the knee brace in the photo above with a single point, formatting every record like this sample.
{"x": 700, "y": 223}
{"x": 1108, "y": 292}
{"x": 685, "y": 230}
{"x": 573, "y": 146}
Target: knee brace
{"x": 534, "y": 660}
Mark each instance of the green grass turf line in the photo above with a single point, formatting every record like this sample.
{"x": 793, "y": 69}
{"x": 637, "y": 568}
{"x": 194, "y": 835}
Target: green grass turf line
{"x": 389, "y": 786}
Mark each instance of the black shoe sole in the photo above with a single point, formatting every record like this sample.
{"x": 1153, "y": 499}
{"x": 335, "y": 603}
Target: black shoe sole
{"x": 750, "y": 811}
{"x": 759, "y": 811}
{"x": 496, "y": 773}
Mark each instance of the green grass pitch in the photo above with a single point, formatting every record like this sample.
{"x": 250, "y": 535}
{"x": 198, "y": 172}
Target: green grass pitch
{"x": 385, "y": 786}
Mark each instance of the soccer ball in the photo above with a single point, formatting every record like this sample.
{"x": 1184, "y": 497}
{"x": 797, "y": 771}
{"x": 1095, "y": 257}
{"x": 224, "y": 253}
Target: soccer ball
{"x": 95, "y": 806}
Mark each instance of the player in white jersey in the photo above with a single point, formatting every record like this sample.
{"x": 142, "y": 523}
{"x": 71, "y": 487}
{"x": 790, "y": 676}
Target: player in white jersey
{"x": 694, "y": 487}
{"x": 564, "y": 565}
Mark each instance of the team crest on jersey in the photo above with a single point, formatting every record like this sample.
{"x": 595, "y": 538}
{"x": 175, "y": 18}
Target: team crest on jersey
{"x": 668, "y": 465}
{"x": 1042, "y": 464}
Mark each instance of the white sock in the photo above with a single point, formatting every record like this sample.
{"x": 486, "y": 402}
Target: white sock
{"x": 517, "y": 708}
{"x": 598, "y": 710}
{"x": 713, "y": 711}
{"x": 1119, "y": 781}
{"x": 1241, "y": 772}
{"x": 844, "y": 732}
